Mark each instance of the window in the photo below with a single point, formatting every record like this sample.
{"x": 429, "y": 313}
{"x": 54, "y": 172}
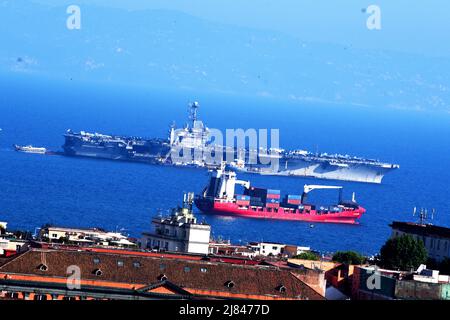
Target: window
{"x": 187, "y": 269}
{"x": 281, "y": 289}
{"x": 54, "y": 235}
{"x": 162, "y": 266}
{"x": 96, "y": 260}
{"x": 229, "y": 284}
{"x": 203, "y": 270}
{"x": 98, "y": 272}
{"x": 162, "y": 277}
{"x": 14, "y": 295}
{"x": 43, "y": 267}
{"x": 136, "y": 264}
{"x": 120, "y": 263}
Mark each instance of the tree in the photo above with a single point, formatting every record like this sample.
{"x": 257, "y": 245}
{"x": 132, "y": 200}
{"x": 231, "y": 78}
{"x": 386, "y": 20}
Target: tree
{"x": 403, "y": 253}
{"x": 348, "y": 257}
{"x": 307, "y": 256}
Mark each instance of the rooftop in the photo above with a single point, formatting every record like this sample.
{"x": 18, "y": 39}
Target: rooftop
{"x": 197, "y": 277}
{"x": 421, "y": 229}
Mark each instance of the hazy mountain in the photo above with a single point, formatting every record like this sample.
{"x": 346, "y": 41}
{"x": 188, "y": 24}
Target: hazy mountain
{"x": 170, "y": 49}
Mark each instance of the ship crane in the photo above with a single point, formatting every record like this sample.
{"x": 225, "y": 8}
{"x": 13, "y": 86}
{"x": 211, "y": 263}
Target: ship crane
{"x": 245, "y": 184}
{"x": 308, "y": 188}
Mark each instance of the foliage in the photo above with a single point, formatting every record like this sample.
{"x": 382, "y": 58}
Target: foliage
{"x": 348, "y": 257}
{"x": 307, "y": 256}
{"x": 403, "y": 253}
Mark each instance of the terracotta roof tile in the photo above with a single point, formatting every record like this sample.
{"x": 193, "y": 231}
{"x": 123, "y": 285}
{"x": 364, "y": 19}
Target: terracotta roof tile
{"x": 199, "y": 275}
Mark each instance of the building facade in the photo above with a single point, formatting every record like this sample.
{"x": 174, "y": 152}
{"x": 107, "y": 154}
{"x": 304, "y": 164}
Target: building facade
{"x": 436, "y": 239}
{"x": 276, "y": 249}
{"x": 379, "y": 284}
{"x": 84, "y": 237}
{"x": 179, "y": 232}
{"x": 9, "y": 243}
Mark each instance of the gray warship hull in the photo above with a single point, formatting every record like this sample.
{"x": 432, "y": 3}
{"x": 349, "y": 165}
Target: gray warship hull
{"x": 323, "y": 169}
{"x": 195, "y": 139}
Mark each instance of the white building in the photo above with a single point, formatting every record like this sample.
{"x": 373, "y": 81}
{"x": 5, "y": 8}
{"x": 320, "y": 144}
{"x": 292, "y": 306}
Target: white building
{"x": 227, "y": 249}
{"x": 430, "y": 276}
{"x": 9, "y": 244}
{"x": 179, "y": 232}
{"x": 276, "y": 249}
{"x": 84, "y": 236}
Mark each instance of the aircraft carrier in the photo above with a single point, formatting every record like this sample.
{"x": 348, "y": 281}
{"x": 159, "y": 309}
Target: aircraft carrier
{"x": 195, "y": 139}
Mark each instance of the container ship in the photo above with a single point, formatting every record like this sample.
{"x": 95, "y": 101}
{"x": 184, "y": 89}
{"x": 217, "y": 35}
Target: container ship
{"x": 195, "y": 138}
{"x": 219, "y": 198}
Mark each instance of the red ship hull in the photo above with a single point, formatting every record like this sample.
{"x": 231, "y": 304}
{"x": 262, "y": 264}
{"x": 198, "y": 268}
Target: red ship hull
{"x": 228, "y": 208}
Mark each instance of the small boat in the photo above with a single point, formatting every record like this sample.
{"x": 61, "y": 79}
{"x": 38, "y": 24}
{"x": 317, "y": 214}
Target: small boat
{"x": 30, "y": 149}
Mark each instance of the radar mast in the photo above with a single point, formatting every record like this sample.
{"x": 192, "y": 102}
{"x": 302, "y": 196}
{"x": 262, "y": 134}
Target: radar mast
{"x": 193, "y": 109}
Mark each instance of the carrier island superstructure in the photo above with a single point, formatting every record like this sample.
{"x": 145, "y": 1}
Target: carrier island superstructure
{"x": 195, "y": 138}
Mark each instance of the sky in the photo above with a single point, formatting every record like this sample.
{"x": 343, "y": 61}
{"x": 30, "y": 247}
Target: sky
{"x": 295, "y": 50}
{"x": 421, "y": 27}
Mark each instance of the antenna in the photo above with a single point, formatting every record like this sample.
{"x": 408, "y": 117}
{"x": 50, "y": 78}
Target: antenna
{"x": 423, "y": 215}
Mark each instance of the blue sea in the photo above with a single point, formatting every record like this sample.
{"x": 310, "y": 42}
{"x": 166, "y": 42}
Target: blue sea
{"x": 36, "y": 189}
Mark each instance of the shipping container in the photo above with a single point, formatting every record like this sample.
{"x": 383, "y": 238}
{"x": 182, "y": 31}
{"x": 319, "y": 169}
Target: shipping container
{"x": 290, "y": 206}
{"x": 255, "y": 191}
{"x": 256, "y": 202}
